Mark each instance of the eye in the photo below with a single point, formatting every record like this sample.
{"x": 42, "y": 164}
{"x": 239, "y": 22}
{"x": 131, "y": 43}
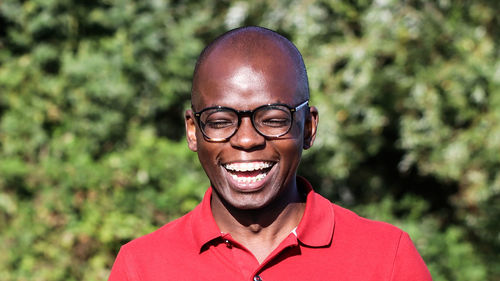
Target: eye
{"x": 218, "y": 124}
{"x": 273, "y": 117}
{"x": 276, "y": 122}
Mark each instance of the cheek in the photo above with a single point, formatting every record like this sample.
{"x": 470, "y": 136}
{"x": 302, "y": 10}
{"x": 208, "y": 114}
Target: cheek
{"x": 297, "y": 132}
{"x": 291, "y": 151}
{"x": 291, "y": 148}
{"x": 207, "y": 154}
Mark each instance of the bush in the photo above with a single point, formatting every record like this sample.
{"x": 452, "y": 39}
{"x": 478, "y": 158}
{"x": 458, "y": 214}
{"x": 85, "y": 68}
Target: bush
{"x": 92, "y": 150}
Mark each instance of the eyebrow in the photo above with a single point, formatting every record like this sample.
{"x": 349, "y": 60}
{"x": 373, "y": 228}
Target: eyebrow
{"x": 251, "y": 109}
{"x": 216, "y": 104}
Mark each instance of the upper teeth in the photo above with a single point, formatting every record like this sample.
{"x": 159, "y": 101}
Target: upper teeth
{"x": 248, "y": 166}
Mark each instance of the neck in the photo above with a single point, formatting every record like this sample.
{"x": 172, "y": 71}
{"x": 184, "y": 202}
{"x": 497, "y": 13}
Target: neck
{"x": 260, "y": 230}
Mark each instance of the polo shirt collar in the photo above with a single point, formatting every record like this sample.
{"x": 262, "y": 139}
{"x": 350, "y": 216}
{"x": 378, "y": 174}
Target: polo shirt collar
{"x": 314, "y": 230}
{"x": 318, "y": 222}
{"x": 204, "y": 227}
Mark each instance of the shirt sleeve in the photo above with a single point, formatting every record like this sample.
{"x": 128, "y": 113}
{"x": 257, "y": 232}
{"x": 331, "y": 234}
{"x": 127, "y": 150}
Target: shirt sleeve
{"x": 408, "y": 264}
{"x": 119, "y": 269}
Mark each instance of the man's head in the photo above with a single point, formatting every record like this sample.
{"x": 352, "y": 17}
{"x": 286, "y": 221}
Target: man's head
{"x": 245, "y": 69}
{"x": 250, "y": 44}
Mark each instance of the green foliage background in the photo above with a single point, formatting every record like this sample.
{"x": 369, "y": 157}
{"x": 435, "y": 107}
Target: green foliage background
{"x": 92, "y": 150}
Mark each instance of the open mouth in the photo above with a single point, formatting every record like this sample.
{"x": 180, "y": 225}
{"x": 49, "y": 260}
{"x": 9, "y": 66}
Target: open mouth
{"x": 246, "y": 173}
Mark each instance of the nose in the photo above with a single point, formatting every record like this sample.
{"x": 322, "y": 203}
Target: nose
{"x": 247, "y": 137}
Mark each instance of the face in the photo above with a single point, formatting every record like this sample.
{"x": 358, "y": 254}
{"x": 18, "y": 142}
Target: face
{"x": 250, "y": 171}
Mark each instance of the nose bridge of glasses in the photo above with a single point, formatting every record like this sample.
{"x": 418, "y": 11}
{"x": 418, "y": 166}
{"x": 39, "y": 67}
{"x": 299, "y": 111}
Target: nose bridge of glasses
{"x": 246, "y": 135}
{"x": 246, "y": 113}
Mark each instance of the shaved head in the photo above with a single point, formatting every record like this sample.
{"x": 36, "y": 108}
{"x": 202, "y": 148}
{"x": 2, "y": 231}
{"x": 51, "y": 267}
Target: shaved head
{"x": 252, "y": 45}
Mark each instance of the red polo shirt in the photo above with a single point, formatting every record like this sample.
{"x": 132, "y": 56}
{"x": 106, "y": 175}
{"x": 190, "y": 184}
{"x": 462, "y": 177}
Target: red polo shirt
{"x": 330, "y": 243}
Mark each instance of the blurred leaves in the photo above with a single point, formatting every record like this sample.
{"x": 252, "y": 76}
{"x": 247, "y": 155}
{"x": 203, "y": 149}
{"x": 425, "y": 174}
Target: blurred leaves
{"x": 92, "y": 95}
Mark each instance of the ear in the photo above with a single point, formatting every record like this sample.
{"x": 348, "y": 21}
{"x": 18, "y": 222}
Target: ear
{"x": 190, "y": 123}
{"x": 310, "y": 127}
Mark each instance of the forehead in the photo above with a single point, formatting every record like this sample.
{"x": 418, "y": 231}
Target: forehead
{"x": 244, "y": 82}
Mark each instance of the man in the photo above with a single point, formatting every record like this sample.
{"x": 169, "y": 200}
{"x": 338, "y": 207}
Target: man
{"x": 249, "y": 122}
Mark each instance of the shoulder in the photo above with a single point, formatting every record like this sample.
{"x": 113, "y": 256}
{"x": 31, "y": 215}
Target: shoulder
{"x": 349, "y": 220}
{"x": 146, "y": 257}
{"x": 364, "y": 237}
{"x": 377, "y": 246}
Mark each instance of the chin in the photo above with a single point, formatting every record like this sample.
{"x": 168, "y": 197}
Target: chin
{"x": 245, "y": 201}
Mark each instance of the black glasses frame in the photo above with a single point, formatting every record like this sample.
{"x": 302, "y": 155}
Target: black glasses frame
{"x": 249, "y": 113}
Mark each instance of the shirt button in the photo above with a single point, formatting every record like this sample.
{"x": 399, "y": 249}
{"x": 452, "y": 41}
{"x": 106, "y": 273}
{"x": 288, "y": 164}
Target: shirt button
{"x": 228, "y": 243}
{"x": 257, "y": 278}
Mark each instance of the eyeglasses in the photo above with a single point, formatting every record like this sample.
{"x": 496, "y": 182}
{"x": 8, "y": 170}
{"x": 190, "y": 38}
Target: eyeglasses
{"x": 220, "y": 123}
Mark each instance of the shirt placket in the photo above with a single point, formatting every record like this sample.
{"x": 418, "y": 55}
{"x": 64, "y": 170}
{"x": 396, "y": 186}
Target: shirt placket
{"x": 290, "y": 242}
{"x": 241, "y": 257}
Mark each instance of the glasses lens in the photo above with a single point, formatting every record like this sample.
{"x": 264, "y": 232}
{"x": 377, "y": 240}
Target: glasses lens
{"x": 218, "y": 123}
{"x": 273, "y": 121}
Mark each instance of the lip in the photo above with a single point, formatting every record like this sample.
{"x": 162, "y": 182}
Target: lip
{"x": 251, "y": 186}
